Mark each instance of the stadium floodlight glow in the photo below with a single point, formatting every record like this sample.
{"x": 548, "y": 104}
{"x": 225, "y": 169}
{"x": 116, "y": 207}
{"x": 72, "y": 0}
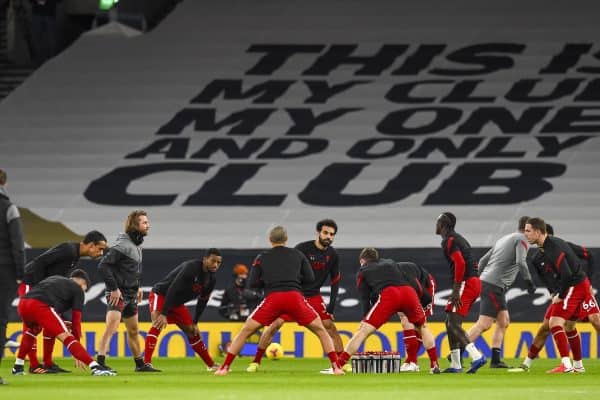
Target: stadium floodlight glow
{"x": 106, "y": 5}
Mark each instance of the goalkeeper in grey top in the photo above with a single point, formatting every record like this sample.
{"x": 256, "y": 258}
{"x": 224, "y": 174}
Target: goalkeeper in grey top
{"x": 500, "y": 266}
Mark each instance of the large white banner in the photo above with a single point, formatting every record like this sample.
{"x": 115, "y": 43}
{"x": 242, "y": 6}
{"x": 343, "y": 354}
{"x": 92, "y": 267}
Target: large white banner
{"x": 234, "y": 116}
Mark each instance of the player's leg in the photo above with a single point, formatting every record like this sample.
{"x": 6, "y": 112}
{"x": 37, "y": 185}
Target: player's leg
{"x": 411, "y": 345}
{"x": 81, "y": 355}
{"x": 557, "y": 324}
{"x": 151, "y": 337}
{"x": 483, "y": 324}
{"x": 429, "y": 343}
{"x": 196, "y": 343}
{"x": 454, "y": 325}
{"x": 455, "y": 350}
{"x": 502, "y": 322}
{"x": 113, "y": 318}
{"x": 331, "y": 329}
{"x": 133, "y": 339}
{"x": 34, "y": 363}
{"x": 48, "y": 349}
{"x": 250, "y": 326}
{"x": 28, "y": 338}
{"x": 575, "y": 345}
{"x": 316, "y": 327}
{"x": 265, "y": 339}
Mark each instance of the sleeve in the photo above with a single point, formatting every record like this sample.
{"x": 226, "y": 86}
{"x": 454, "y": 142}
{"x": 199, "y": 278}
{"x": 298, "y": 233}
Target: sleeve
{"x": 106, "y": 266}
{"x": 76, "y": 324}
{"x": 203, "y": 301}
{"x": 180, "y": 283}
{"x": 521, "y": 259}
{"x": 483, "y": 261}
{"x": 454, "y": 252}
{"x": 255, "y": 277}
{"x": 308, "y": 275}
{"x": 564, "y": 272}
{"x": 37, "y": 269}
{"x": 364, "y": 293}
{"x": 17, "y": 241}
{"x": 335, "y": 284}
{"x": 534, "y": 261}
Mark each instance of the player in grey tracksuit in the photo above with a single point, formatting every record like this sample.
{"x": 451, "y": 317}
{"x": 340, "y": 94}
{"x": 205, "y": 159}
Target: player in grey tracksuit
{"x": 500, "y": 266}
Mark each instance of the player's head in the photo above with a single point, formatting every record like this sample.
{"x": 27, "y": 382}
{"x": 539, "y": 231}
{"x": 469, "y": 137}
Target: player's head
{"x": 367, "y": 255}
{"x": 212, "y": 260}
{"x": 326, "y": 230}
{"x": 240, "y": 273}
{"x": 278, "y": 236}
{"x": 2, "y": 177}
{"x": 137, "y": 221}
{"x": 522, "y": 222}
{"x": 81, "y": 278}
{"x": 93, "y": 244}
{"x": 445, "y": 223}
{"x": 535, "y": 231}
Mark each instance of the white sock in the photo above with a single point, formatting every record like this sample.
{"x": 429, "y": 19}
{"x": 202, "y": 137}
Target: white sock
{"x": 19, "y": 361}
{"x": 566, "y": 361}
{"x": 455, "y": 358}
{"x": 93, "y": 364}
{"x": 577, "y": 363}
{"x": 473, "y": 352}
{"x": 527, "y": 361}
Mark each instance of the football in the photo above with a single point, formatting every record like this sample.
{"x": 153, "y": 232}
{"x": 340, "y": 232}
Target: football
{"x": 274, "y": 351}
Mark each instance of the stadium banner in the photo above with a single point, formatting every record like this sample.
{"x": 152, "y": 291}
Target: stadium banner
{"x": 299, "y": 342}
{"x": 157, "y": 263}
{"x": 222, "y": 125}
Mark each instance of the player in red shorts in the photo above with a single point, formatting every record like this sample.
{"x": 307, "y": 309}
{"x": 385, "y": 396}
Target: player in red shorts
{"x": 424, "y": 284}
{"x": 325, "y": 263}
{"x": 574, "y": 298}
{"x": 193, "y": 279}
{"x": 281, "y": 271}
{"x": 384, "y": 280}
{"x": 58, "y": 260}
{"x": 41, "y": 308}
{"x": 465, "y": 291}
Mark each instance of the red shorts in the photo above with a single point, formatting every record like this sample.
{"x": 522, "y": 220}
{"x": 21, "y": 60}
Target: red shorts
{"x": 395, "y": 299}
{"x": 179, "y": 315}
{"x": 36, "y": 315}
{"x": 431, "y": 290}
{"x": 579, "y": 303}
{"x": 317, "y": 303}
{"x": 276, "y": 304}
{"x": 469, "y": 292}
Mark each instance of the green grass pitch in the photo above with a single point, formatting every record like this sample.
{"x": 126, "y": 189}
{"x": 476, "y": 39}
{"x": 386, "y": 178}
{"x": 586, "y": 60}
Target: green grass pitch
{"x": 291, "y": 378}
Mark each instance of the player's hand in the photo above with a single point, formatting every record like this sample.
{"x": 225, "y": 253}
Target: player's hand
{"x": 114, "y": 297}
{"x": 530, "y": 287}
{"x": 160, "y": 322}
{"x": 80, "y": 365}
{"x": 69, "y": 325}
{"x": 556, "y": 299}
{"x": 140, "y": 295}
{"x": 455, "y": 295}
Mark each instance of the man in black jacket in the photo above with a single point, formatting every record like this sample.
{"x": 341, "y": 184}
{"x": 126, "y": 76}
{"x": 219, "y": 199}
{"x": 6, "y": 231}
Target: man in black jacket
{"x": 12, "y": 257}
{"x": 121, "y": 269}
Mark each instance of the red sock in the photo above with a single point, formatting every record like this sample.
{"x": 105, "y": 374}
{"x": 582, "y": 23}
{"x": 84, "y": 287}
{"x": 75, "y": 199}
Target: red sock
{"x": 333, "y": 357}
{"x": 259, "y": 355}
{"x": 433, "y": 358}
{"x": 411, "y": 344}
{"x": 48, "y": 349}
{"x": 533, "y": 351}
{"x": 77, "y": 350}
{"x": 200, "y": 349}
{"x": 343, "y": 359}
{"x": 150, "y": 344}
{"x": 228, "y": 360}
{"x": 560, "y": 338}
{"x": 27, "y": 342}
{"x": 575, "y": 344}
{"x": 32, "y": 351}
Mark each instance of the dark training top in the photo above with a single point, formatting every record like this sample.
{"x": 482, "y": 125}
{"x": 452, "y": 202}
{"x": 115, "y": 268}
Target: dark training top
{"x": 280, "y": 269}
{"x": 186, "y": 282}
{"x": 561, "y": 260}
{"x": 324, "y": 263}
{"x": 121, "y": 266}
{"x": 59, "y": 260}
{"x": 375, "y": 276}
{"x": 58, "y": 292}
{"x": 418, "y": 278}
{"x": 460, "y": 258}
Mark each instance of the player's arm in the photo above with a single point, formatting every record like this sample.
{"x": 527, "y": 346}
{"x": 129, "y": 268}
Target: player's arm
{"x": 255, "y": 276}
{"x": 17, "y": 242}
{"x": 564, "y": 272}
{"x": 364, "y": 293}
{"x": 106, "y": 267}
{"x": 483, "y": 261}
{"x": 308, "y": 275}
{"x": 77, "y": 306}
{"x": 335, "y": 277}
{"x": 521, "y": 249}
